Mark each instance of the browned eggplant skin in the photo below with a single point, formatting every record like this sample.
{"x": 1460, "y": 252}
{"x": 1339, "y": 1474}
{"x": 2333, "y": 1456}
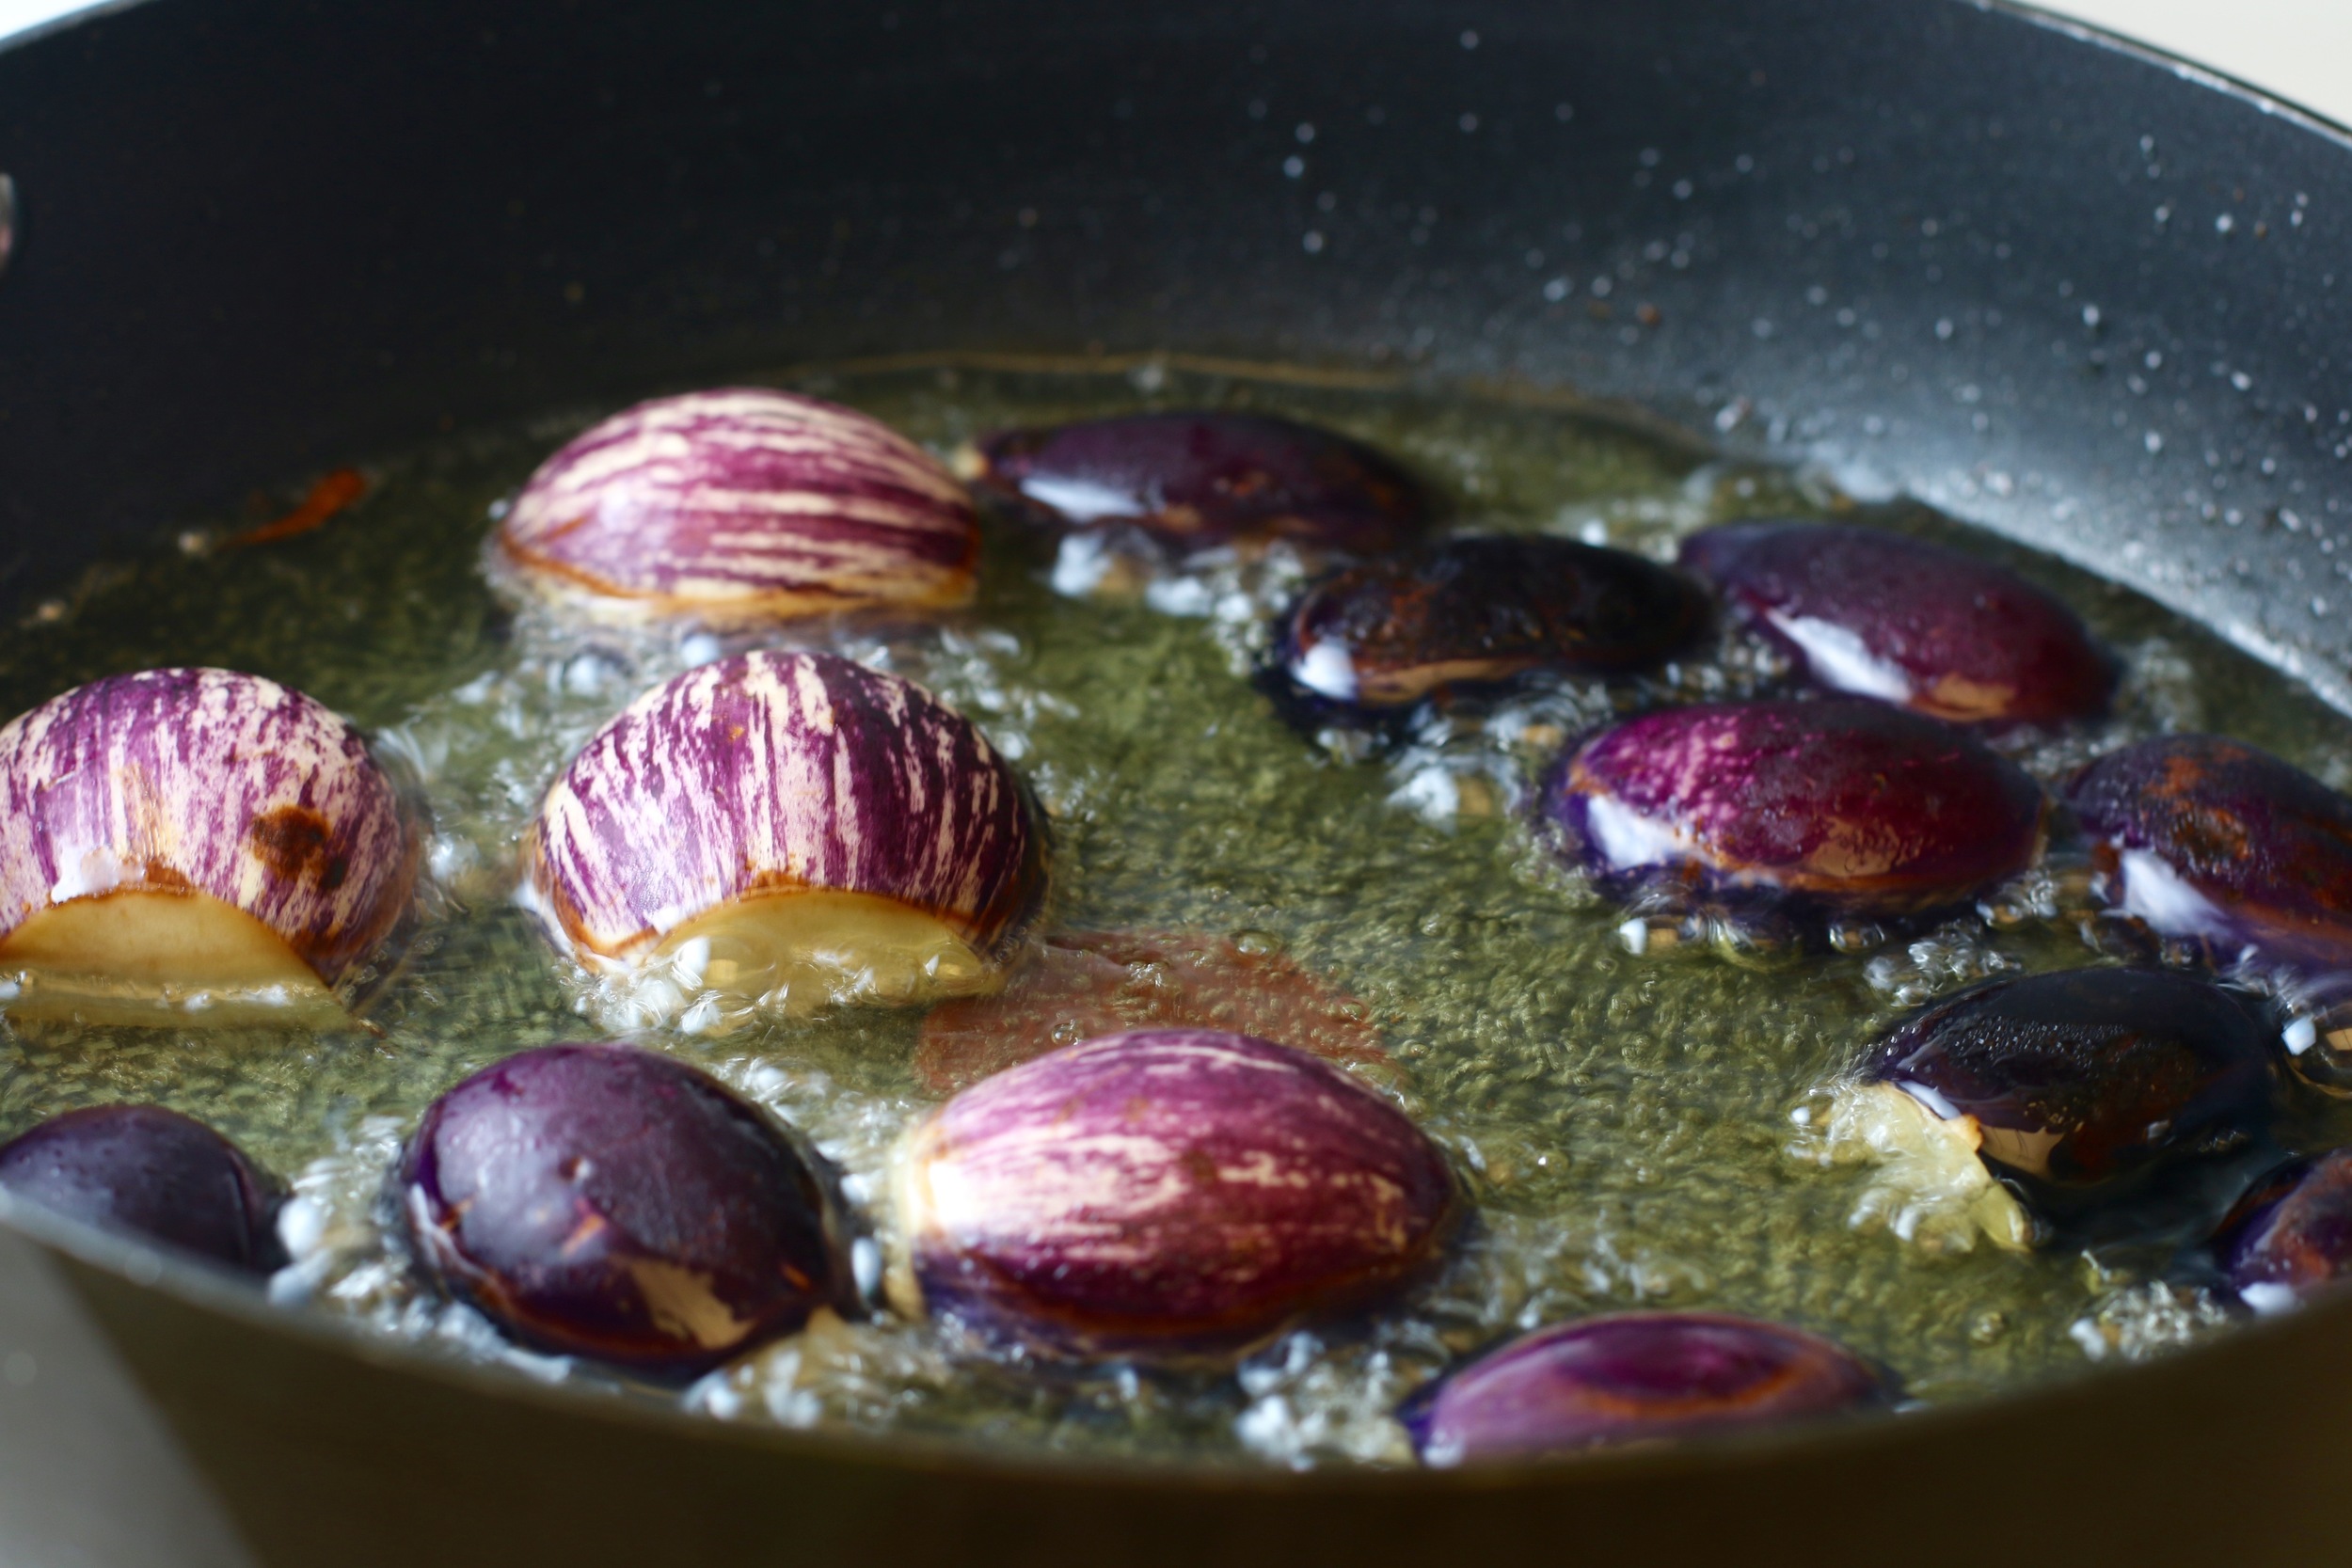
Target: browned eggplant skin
{"x": 1481, "y": 610}
{"x": 1198, "y": 480}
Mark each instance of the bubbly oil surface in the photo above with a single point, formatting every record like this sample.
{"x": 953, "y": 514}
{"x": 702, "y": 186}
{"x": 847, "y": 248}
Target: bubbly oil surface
{"x": 1632, "y": 1130}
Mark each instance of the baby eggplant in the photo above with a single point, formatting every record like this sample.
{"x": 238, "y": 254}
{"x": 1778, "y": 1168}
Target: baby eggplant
{"x": 740, "y": 507}
{"x": 790, "y": 826}
{"x": 152, "y": 1173}
{"x": 604, "y": 1201}
{"x": 1881, "y": 616}
{"x": 1174, "y": 1195}
{"x": 179, "y": 845}
{"x": 1839, "y": 806}
{"x": 2210, "y": 841}
{"x": 1198, "y": 479}
{"x": 1637, "y": 1377}
{"x": 2291, "y": 1234}
{"x": 1475, "y": 611}
{"x": 2072, "y": 1084}
{"x": 1081, "y": 984}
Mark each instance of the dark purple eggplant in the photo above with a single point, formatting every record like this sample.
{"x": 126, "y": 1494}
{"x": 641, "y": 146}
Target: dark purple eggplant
{"x": 1478, "y": 612}
{"x": 1881, "y": 616}
{"x": 1842, "y": 806}
{"x": 1639, "y": 1377}
{"x": 2291, "y": 1234}
{"x": 1198, "y": 480}
{"x": 152, "y": 1173}
{"x": 2076, "y": 1080}
{"x": 603, "y": 1201}
{"x": 2212, "y": 841}
{"x": 1172, "y": 1195}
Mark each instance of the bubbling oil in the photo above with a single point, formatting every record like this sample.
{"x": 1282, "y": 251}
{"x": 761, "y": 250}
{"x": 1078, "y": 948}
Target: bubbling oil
{"x": 1634, "y": 1129}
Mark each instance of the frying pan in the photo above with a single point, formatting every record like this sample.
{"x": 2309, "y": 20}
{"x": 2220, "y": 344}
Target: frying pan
{"x": 2067, "y": 290}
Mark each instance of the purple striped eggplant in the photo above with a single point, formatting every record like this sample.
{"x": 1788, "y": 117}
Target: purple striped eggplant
{"x": 1199, "y": 480}
{"x": 182, "y": 840}
{"x": 2291, "y": 1234}
{"x": 1841, "y": 806}
{"x": 1879, "y": 615}
{"x": 151, "y": 1173}
{"x": 2075, "y": 1083}
{"x": 742, "y": 507}
{"x": 604, "y": 1201}
{"x": 794, "y": 827}
{"x": 1173, "y": 1194}
{"x": 2210, "y": 842}
{"x": 1638, "y": 1377}
{"x": 1478, "y": 612}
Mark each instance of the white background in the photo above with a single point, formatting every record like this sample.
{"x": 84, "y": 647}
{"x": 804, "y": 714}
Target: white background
{"x": 86, "y": 1482}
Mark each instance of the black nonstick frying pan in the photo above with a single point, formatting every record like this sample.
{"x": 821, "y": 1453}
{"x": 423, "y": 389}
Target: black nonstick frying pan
{"x": 2074, "y": 292}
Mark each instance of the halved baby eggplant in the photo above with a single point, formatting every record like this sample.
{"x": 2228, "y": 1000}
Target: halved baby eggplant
{"x": 793, "y": 826}
{"x": 1881, "y": 616}
{"x": 1174, "y": 1195}
{"x": 179, "y": 845}
{"x": 152, "y": 1173}
{"x": 740, "y": 507}
{"x": 1479, "y": 611}
{"x": 1843, "y": 806}
{"x": 1198, "y": 479}
{"x": 1637, "y": 1377}
{"x": 2078, "y": 1086}
{"x": 2212, "y": 841}
{"x": 2291, "y": 1234}
{"x": 1081, "y": 984}
{"x": 607, "y": 1202}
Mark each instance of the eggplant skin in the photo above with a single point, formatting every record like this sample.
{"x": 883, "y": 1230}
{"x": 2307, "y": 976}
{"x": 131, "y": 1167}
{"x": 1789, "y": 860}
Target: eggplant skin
{"x": 742, "y": 505}
{"x": 1198, "y": 480}
{"x": 779, "y": 772}
{"x": 1482, "y": 611}
{"x": 1636, "y": 1377}
{"x": 2213, "y": 841}
{"x": 1837, "y": 806}
{"x": 152, "y": 1173}
{"x": 1881, "y": 615}
{"x": 173, "y": 781}
{"x": 607, "y": 1202}
{"x": 1171, "y": 1195}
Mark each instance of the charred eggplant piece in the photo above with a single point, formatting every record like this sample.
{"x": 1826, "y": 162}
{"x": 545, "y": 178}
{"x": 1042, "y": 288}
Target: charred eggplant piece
{"x": 603, "y": 1201}
{"x": 2081, "y": 1087}
{"x": 1843, "y": 807}
{"x": 789, "y": 826}
{"x": 1201, "y": 480}
{"x": 1481, "y": 611}
{"x": 2212, "y": 842}
{"x": 1638, "y": 1377}
{"x": 1173, "y": 1196}
{"x": 1907, "y": 621}
{"x": 2291, "y": 1234}
{"x": 151, "y": 1173}
{"x": 186, "y": 846}
{"x": 740, "y": 507}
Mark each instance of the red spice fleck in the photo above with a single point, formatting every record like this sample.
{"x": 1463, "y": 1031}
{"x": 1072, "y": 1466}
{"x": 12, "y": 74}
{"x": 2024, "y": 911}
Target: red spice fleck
{"x": 329, "y": 495}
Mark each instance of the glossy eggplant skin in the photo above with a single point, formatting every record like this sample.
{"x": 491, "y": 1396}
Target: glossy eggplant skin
{"x": 1840, "y": 806}
{"x": 1932, "y": 630}
{"x": 605, "y": 1201}
{"x": 1173, "y": 1196}
{"x": 2084, "y": 1078}
{"x": 1198, "y": 479}
{"x": 1481, "y": 610}
{"x": 1636, "y": 1377}
{"x": 2215, "y": 841}
{"x": 156, "y": 1174}
{"x": 2291, "y": 1234}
